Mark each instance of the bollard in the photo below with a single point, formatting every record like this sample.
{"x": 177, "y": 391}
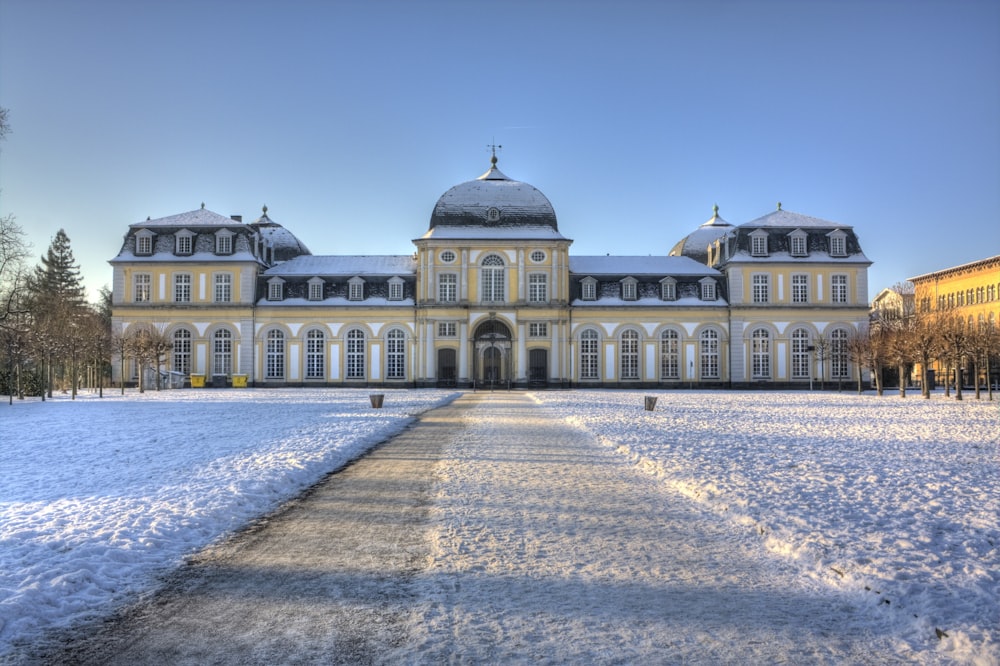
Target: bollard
{"x": 650, "y": 403}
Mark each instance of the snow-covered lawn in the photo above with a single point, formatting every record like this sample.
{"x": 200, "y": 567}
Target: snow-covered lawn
{"x": 99, "y": 496}
{"x": 898, "y": 500}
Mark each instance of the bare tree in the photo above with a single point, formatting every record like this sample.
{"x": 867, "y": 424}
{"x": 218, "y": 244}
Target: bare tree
{"x": 925, "y": 346}
{"x": 858, "y": 343}
{"x": 955, "y": 335}
{"x": 821, "y": 348}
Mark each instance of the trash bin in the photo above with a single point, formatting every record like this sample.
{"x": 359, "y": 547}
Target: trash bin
{"x": 377, "y": 399}
{"x": 239, "y": 381}
{"x": 650, "y": 403}
{"x": 220, "y": 381}
{"x": 197, "y": 381}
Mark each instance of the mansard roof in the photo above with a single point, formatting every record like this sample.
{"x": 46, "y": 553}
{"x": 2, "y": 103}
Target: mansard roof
{"x": 201, "y": 217}
{"x": 651, "y": 265}
{"x": 787, "y": 219}
{"x": 478, "y": 232}
{"x": 345, "y": 265}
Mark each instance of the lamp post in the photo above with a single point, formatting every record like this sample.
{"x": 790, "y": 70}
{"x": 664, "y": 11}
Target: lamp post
{"x": 812, "y": 364}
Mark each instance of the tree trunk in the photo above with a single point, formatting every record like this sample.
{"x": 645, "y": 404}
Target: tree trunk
{"x": 958, "y": 379}
{"x": 900, "y": 369}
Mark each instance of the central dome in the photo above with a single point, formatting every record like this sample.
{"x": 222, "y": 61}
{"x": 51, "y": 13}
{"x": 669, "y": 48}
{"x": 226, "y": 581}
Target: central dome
{"x": 493, "y": 200}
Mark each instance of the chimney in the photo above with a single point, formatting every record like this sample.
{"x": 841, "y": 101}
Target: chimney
{"x": 236, "y": 218}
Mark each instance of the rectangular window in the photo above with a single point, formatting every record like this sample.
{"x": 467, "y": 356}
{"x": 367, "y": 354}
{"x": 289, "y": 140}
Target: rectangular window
{"x": 668, "y": 291}
{"x": 447, "y": 288}
{"x": 800, "y": 289}
{"x": 708, "y": 291}
{"x": 538, "y": 329}
{"x": 838, "y": 246}
{"x": 184, "y": 244}
{"x": 447, "y": 329}
{"x": 838, "y": 288}
{"x": 588, "y": 355}
{"x": 589, "y": 290}
{"x": 798, "y": 246}
{"x": 538, "y": 288}
{"x": 316, "y": 291}
{"x": 629, "y": 290}
{"x": 223, "y": 287}
{"x": 275, "y": 291}
{"x": 761, "y": 289}
{"x": 395, "y": 355}
{"x": 356, "y": 291}
{"x": 182, "y": 288}
{"x": 315, "y": 354}
{"x": 223, "y": 244}
{"x": 395, "y": 291}
{"x": 758, "y": 247}
{"x": 143, "y": 289}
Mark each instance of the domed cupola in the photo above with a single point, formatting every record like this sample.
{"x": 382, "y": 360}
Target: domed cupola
{"x": 695, "y": 244}
{"x": 493, "y": 200}
{"x": 282, "y": 242}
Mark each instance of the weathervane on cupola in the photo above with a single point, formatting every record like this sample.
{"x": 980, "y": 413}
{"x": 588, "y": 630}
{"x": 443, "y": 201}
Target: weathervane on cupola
{"x": 493, "y": 147}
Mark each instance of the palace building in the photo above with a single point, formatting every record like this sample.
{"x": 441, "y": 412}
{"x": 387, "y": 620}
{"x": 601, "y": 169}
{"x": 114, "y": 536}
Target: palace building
{"x": 492, "y": 296}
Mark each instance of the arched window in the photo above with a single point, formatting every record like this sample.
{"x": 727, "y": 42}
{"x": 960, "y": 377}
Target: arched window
{"x": 356, "y": 354}
{"x": 222, "y": 352}
{"x": 760, "y": 354}
{"x": 709, "y": 354}
{"x": 315, "y": 354}
{"x": 588, "y": 354}
{"x": 274, "y": 355}
{"x": 182, "y": 351}
{"x": 800, "y": 354}
{"x": 670, "y": 355}
{"x": 838, "y": 354}
{"x": 629, "y": 355}
{"x": 492, "y": 279}
{"x": 395, "y": 347}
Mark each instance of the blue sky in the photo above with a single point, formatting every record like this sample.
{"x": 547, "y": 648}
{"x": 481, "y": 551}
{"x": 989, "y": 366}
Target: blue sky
{"x": 350, "y": 119}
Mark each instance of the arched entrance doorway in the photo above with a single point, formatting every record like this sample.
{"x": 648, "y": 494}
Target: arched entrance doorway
{"x": 492, "y": 354}
{"x": 446, "y": 374}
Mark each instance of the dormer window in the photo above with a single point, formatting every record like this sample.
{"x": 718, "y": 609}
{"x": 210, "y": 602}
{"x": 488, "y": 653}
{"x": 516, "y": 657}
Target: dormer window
{"x": 355, "y": 289}
{"x": 396, "y": 289}
{"x": 630, "y": 289}
{"x": 315, "y": 289}
{"x": 797, "y": 243}
{"x": 275, "y": 289}
{"x": 224, "y": 241}
{"x": 668, "y": 289}
{"x": 758, "y": 243}
{"x": 708, "y": 290}
{"x": 184, "y": 242}
{"x": 838, "y": 243}
{"x": 144, "y": 242}
{"x": 589, "y": 289}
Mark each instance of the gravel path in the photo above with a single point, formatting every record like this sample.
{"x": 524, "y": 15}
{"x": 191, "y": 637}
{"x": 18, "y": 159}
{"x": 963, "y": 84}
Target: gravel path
{"x": 489, "y": 532}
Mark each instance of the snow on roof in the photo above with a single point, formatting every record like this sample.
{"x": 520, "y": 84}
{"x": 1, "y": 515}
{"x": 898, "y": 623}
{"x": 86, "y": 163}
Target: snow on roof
{"x": 744, "y": 257}
{"x": 466, "y": 232}
{"x": 515, "y": 203}
{"x": 653, "y": 265}
{"x": 309, "y": 265}
{"x": 198, "y": 257}
{"x": 786, "y": 218}
{"x": 616, "y": 301}
{"x": 195, "y": 218}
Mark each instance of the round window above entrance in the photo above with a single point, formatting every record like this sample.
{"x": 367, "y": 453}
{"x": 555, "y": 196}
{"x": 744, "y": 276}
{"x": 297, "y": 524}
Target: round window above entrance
{"x": 538, "y": 256}
{"x": 447, "y": 256}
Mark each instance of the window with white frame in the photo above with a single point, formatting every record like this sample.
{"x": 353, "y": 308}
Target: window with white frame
{"x": 142, "y": 288}
{"x": 838, "y": 354}
{"x": 274, "y": 355}
{"x": 538, "y": 329}
{"x": 223, "y": 287}
{"x": 838, "y": 288}
{"x": 395, "y": 289}
{"x": 629, "y": 355}
{"x": 182, "y": 288}
{"x": 670, "y": 355}
{"x": 800, "y": 288}
{"x": 181, "y": 351}
{"x": 589, "y": 354}
{"x": 538, "y": 256}
{"x": 447, "y": 288}
{"x": 447, "y": 329}
{"x": 184, "y": 242}
{"x": 708, "y": 291}
{"x": 224, "y": 242}
{"x": 800, "y": 353}
{"x": 144, "y": 242}
{"x": 275, "y": 290}
{"x": 588, "y": 289}
{"x": 315, "y": 354}
{"x": 316, "y": 289}
{"x": 797, "y": 242}
{"x": 492, "y": 279}
{"x": 668, "y": 289}
{"x": 761, "y": 288}
{"x": 355, "y": 354}
{"x": 222, "y": 352}
{"x": 395, "y": 350}
{"x": 447, "y": 256}
{"x": 838, "y": 243}
{"x": 538, "y": 288}
{"x": 760, "y": 354}
{"x": 758, "y": 243}
{"x": 355, "y": 289}
{"x": 630, "y": 289}
{"x": 709, "y": 353}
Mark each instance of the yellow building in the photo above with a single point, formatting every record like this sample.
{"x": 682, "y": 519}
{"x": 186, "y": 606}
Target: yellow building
{"x": 493, "y": 297}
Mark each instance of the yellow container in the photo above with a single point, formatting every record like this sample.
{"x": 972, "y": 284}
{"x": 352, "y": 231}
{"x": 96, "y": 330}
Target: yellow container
{"x": 239, "y": 381}
{"x": 197, "y": 381}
